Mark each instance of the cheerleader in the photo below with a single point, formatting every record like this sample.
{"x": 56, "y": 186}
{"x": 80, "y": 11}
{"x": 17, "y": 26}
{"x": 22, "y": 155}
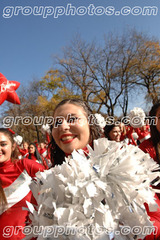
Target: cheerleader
{"x": 71, "y": 131}
{"x": 15, "y": 178}
{"x": 23, "y": 151}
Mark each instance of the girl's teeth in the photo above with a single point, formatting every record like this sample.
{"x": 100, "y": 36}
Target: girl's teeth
{"x": 67, "y": 138}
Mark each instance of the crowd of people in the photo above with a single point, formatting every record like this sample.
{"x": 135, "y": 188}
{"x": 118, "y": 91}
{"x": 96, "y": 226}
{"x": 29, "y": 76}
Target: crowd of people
{"x": 68, "y": 134}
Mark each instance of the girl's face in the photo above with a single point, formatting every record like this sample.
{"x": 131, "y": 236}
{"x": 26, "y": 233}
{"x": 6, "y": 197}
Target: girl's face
{"x": 41, "y": 145}
{"x": 5, "y": 148}
{"x": 115, "y": 134}
{"x": 158, "y": 119}
{"x": 31, "y": 148}
{"x": 25, "y": 145}
{"x": 71, "y": 129}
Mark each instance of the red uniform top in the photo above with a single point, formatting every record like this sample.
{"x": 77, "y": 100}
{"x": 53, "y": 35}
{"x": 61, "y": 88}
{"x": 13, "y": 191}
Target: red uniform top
{"x": 43, "y": 152}
{"x": 33, "y": 157}
{"x": 143, "y": 134}
{"x": 155, "y": 218}
{"x": 15, "y": 179}
{"x": 128, "y": 136}
{"x": 147, "y": 147}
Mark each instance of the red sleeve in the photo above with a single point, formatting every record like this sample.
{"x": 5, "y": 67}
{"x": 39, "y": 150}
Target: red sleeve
{"x": 155, "y": 218}
{"x": 22, "y": 151}
{"x": 31, "y": 166}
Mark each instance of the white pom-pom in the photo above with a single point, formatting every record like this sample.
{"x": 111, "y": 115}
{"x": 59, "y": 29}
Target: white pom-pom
{"x": 45, "y": 128}
{"x": 137, "y": 117}
{"x": 18, "y": 139}
{"x": 100, "y": 120}
{"x": 72, "y": 196}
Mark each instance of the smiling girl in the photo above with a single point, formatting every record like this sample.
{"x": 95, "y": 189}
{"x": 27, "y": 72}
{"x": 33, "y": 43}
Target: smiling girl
{"x": 71, "y": 129}
{"x": 112, "y": 132}
{"x": 15, "y": 177}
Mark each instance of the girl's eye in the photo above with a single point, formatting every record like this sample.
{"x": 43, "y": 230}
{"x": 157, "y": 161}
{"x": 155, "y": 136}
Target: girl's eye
{"x": 3, "y": 144}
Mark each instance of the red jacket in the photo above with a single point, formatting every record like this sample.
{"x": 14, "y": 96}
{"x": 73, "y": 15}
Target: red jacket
{"x": 15, "y": 179}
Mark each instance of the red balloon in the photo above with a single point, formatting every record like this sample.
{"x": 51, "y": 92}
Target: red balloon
{"x": 7, "y": 90}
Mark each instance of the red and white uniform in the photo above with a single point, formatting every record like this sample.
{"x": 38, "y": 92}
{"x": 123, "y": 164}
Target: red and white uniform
{"x": 15, "y": 179}
{"x": 46, "y": 153}
{"x": 128, "y": 138}
{"x": 143, "y": 134}
{"x": 33, "y": 157}
{"x": 43, "y": 152}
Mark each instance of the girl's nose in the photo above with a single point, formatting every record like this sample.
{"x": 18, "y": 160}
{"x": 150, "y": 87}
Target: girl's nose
{"x": 65, "y": 125}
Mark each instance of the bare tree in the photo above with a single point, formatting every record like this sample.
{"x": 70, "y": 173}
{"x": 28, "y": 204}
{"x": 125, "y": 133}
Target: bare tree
{"x": 102, "y": 75}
